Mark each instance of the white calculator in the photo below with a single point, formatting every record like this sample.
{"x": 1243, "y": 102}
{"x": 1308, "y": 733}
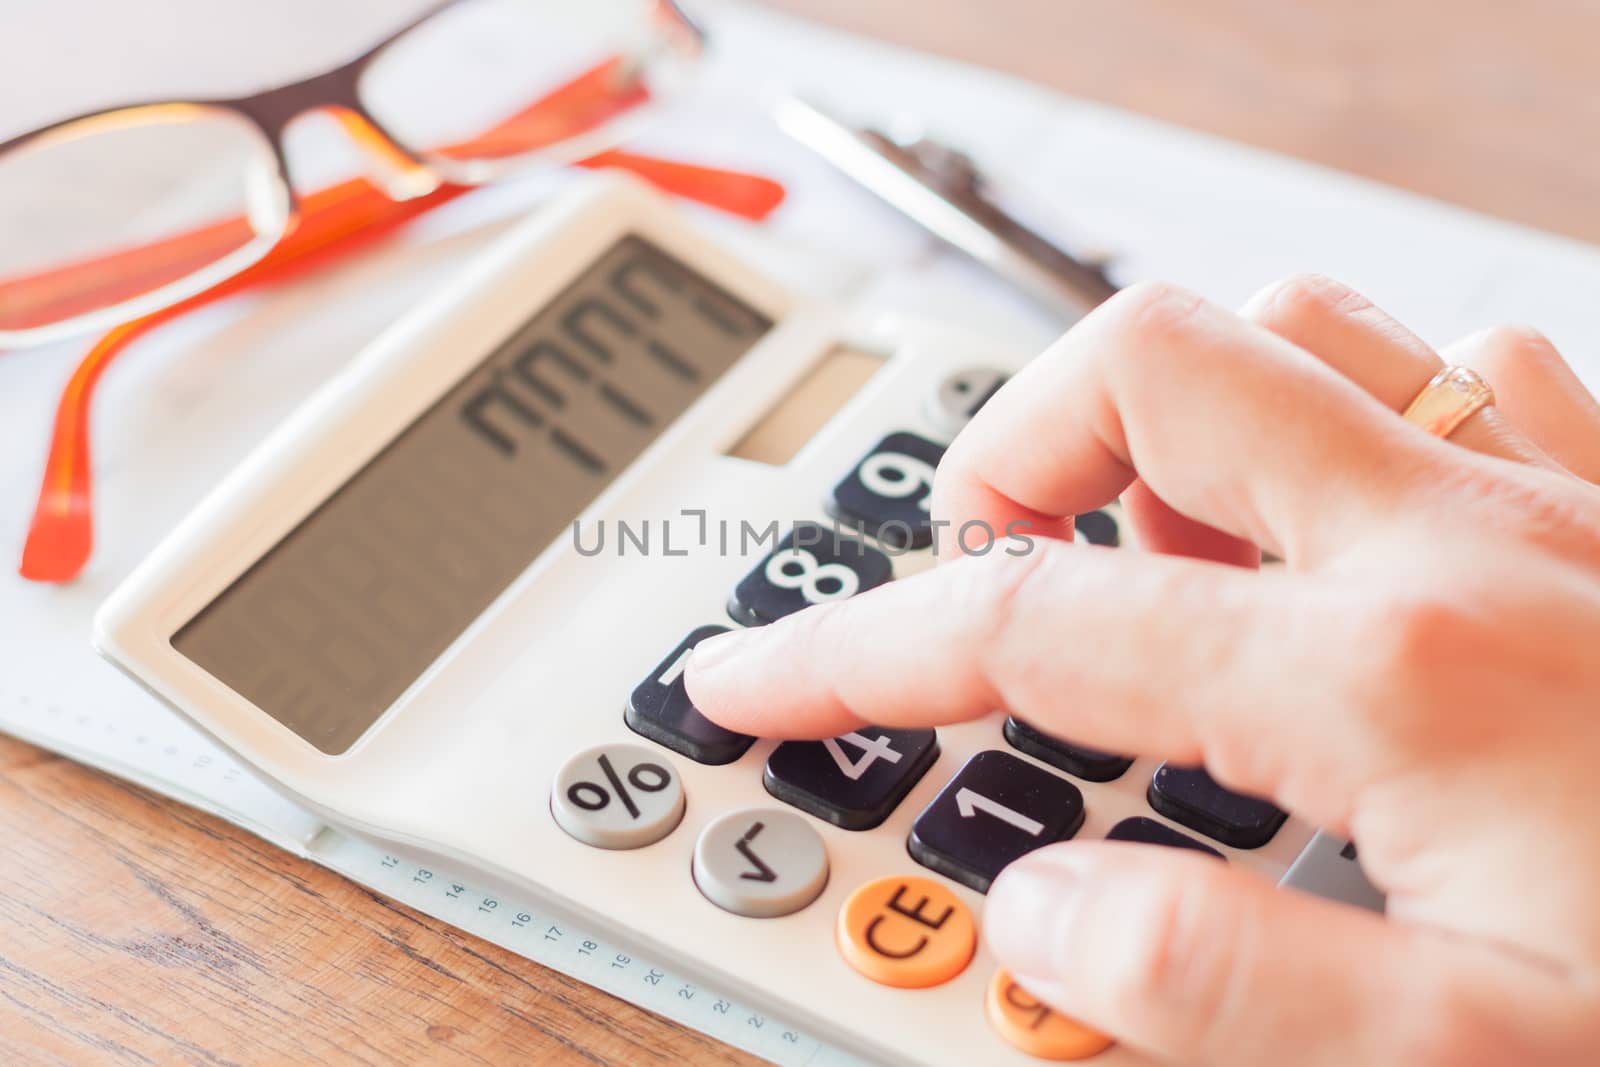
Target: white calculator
{"x": 447, "y": 605}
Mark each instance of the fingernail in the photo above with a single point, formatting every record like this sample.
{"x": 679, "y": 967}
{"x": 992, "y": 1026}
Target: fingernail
{"x": 1029, "y": 907}
{"x": 719, "y": 650}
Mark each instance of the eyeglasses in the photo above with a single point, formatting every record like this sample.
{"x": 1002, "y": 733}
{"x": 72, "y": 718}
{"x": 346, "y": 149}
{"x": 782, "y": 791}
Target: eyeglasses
{"x": 159, "y": 202}
{"x": 561, "y": 124}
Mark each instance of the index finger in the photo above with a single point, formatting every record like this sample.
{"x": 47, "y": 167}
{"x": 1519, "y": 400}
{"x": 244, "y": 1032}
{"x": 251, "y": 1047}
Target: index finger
{"x": 1124, "y": 652}
{"x": 1230, "y": 424}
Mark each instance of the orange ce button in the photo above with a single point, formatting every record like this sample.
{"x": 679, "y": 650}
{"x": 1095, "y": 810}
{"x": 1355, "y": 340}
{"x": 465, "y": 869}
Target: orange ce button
{"x": 910, "y": 933}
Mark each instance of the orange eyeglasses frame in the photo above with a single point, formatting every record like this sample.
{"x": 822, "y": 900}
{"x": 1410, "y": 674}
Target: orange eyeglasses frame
{"x": 569, "y": 124}
{"x": 328, "y": 224}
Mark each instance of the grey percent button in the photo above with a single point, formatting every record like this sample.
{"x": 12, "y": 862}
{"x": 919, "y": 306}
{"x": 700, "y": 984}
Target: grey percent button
{"x": 761, "y": 863}
{"x": 617, "y": 796}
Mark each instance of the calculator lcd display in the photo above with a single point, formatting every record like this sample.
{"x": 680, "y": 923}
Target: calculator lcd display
{"x": 330, "y": 626}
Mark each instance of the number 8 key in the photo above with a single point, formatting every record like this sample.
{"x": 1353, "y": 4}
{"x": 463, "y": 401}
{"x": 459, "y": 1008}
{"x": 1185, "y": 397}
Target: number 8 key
{"x": 812, "y": 565}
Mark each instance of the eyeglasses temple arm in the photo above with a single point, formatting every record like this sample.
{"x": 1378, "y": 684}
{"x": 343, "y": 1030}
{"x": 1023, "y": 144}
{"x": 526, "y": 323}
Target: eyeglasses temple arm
{"x": 61, "y": 536}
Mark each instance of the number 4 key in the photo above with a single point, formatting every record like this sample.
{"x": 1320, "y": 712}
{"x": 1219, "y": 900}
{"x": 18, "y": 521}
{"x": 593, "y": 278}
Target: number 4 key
{"x": 855, "y": 780}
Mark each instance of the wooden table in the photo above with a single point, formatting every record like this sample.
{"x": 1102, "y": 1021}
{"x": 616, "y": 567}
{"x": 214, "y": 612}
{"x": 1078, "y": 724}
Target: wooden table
{"x": 1493, "y": 106}
{"x": 136, "y": 930}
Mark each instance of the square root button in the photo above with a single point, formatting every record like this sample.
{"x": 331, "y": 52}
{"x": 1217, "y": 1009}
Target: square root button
{"x": 996, "y": 809}
{"x": 761, "y": 863}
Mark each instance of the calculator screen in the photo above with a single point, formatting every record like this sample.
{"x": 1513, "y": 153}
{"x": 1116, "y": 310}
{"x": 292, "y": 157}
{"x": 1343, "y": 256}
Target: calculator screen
{"x": 332, "y": 624}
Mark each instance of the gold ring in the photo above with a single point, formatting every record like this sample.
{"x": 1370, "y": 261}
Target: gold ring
{"x": 1450, "y": 398}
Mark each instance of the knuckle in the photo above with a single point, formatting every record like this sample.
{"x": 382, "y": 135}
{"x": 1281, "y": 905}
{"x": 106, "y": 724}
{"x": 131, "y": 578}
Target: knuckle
{"x": 808, "y": 629}
{"x": 1425, "y": 653}
{"x": 818, "y": 632}
{"x": 1515, "y": 343}
{"x": 991, "y": 587}
{"x": 1155, "y": 303}
{"x": 831, "y": 630}
{"x": 991, "y": 593}
{"x": 1147, "y": 314}
{"x": 1425, "y": 633}
{"x": 1310, "y": 297}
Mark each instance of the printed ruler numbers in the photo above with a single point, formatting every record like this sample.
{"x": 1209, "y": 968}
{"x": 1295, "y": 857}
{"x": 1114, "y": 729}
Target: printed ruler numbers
{"x": 186, "y": 767}
{"x": 557, "y": 944}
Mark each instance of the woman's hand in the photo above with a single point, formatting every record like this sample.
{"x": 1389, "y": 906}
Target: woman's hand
{"x": 1423, "y": 676}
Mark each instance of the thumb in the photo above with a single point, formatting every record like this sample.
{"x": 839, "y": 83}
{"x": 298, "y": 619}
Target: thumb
{"x": 1184, "y": 958}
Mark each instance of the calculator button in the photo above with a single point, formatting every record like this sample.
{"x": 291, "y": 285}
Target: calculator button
{"x": 1081, "y": 761}
{"x": 761, "y": 863}
{"x": 617, "y": 796}
{"x": 812, "y": 565}
{"x": 661, "y": 710}
{"x": 910, "y": 933}
{"x": 994, "y": 810}
{"x": 1151, "y": 832}
{"x": 852, "y": 781}
{"x": 1097, "y": 528}
{"x": 1328, "y": 867}
{"x": 887, "y": 494}
{"x": 1033, "y": 1028}
{"x": 1187, "y": 795}
{"x": 959, "y": 396}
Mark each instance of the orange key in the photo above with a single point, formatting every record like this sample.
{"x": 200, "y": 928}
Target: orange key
{"x": 1035, "y": 1028}
{"x": 908, "y": 932}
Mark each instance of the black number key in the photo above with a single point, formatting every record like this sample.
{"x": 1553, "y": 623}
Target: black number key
{"x": 855, "y": 780}
{"x": 1097, "y": 528}
{"x": 996, "y": 809}
{"x": 1087, "y": 763}
{"x": 1187, "y": 795}
{"x": 1152, "y": 832}
{"x": 661, "y": 710}
{"x": 887, "y": 494}
{"x": 812, "y": 565}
